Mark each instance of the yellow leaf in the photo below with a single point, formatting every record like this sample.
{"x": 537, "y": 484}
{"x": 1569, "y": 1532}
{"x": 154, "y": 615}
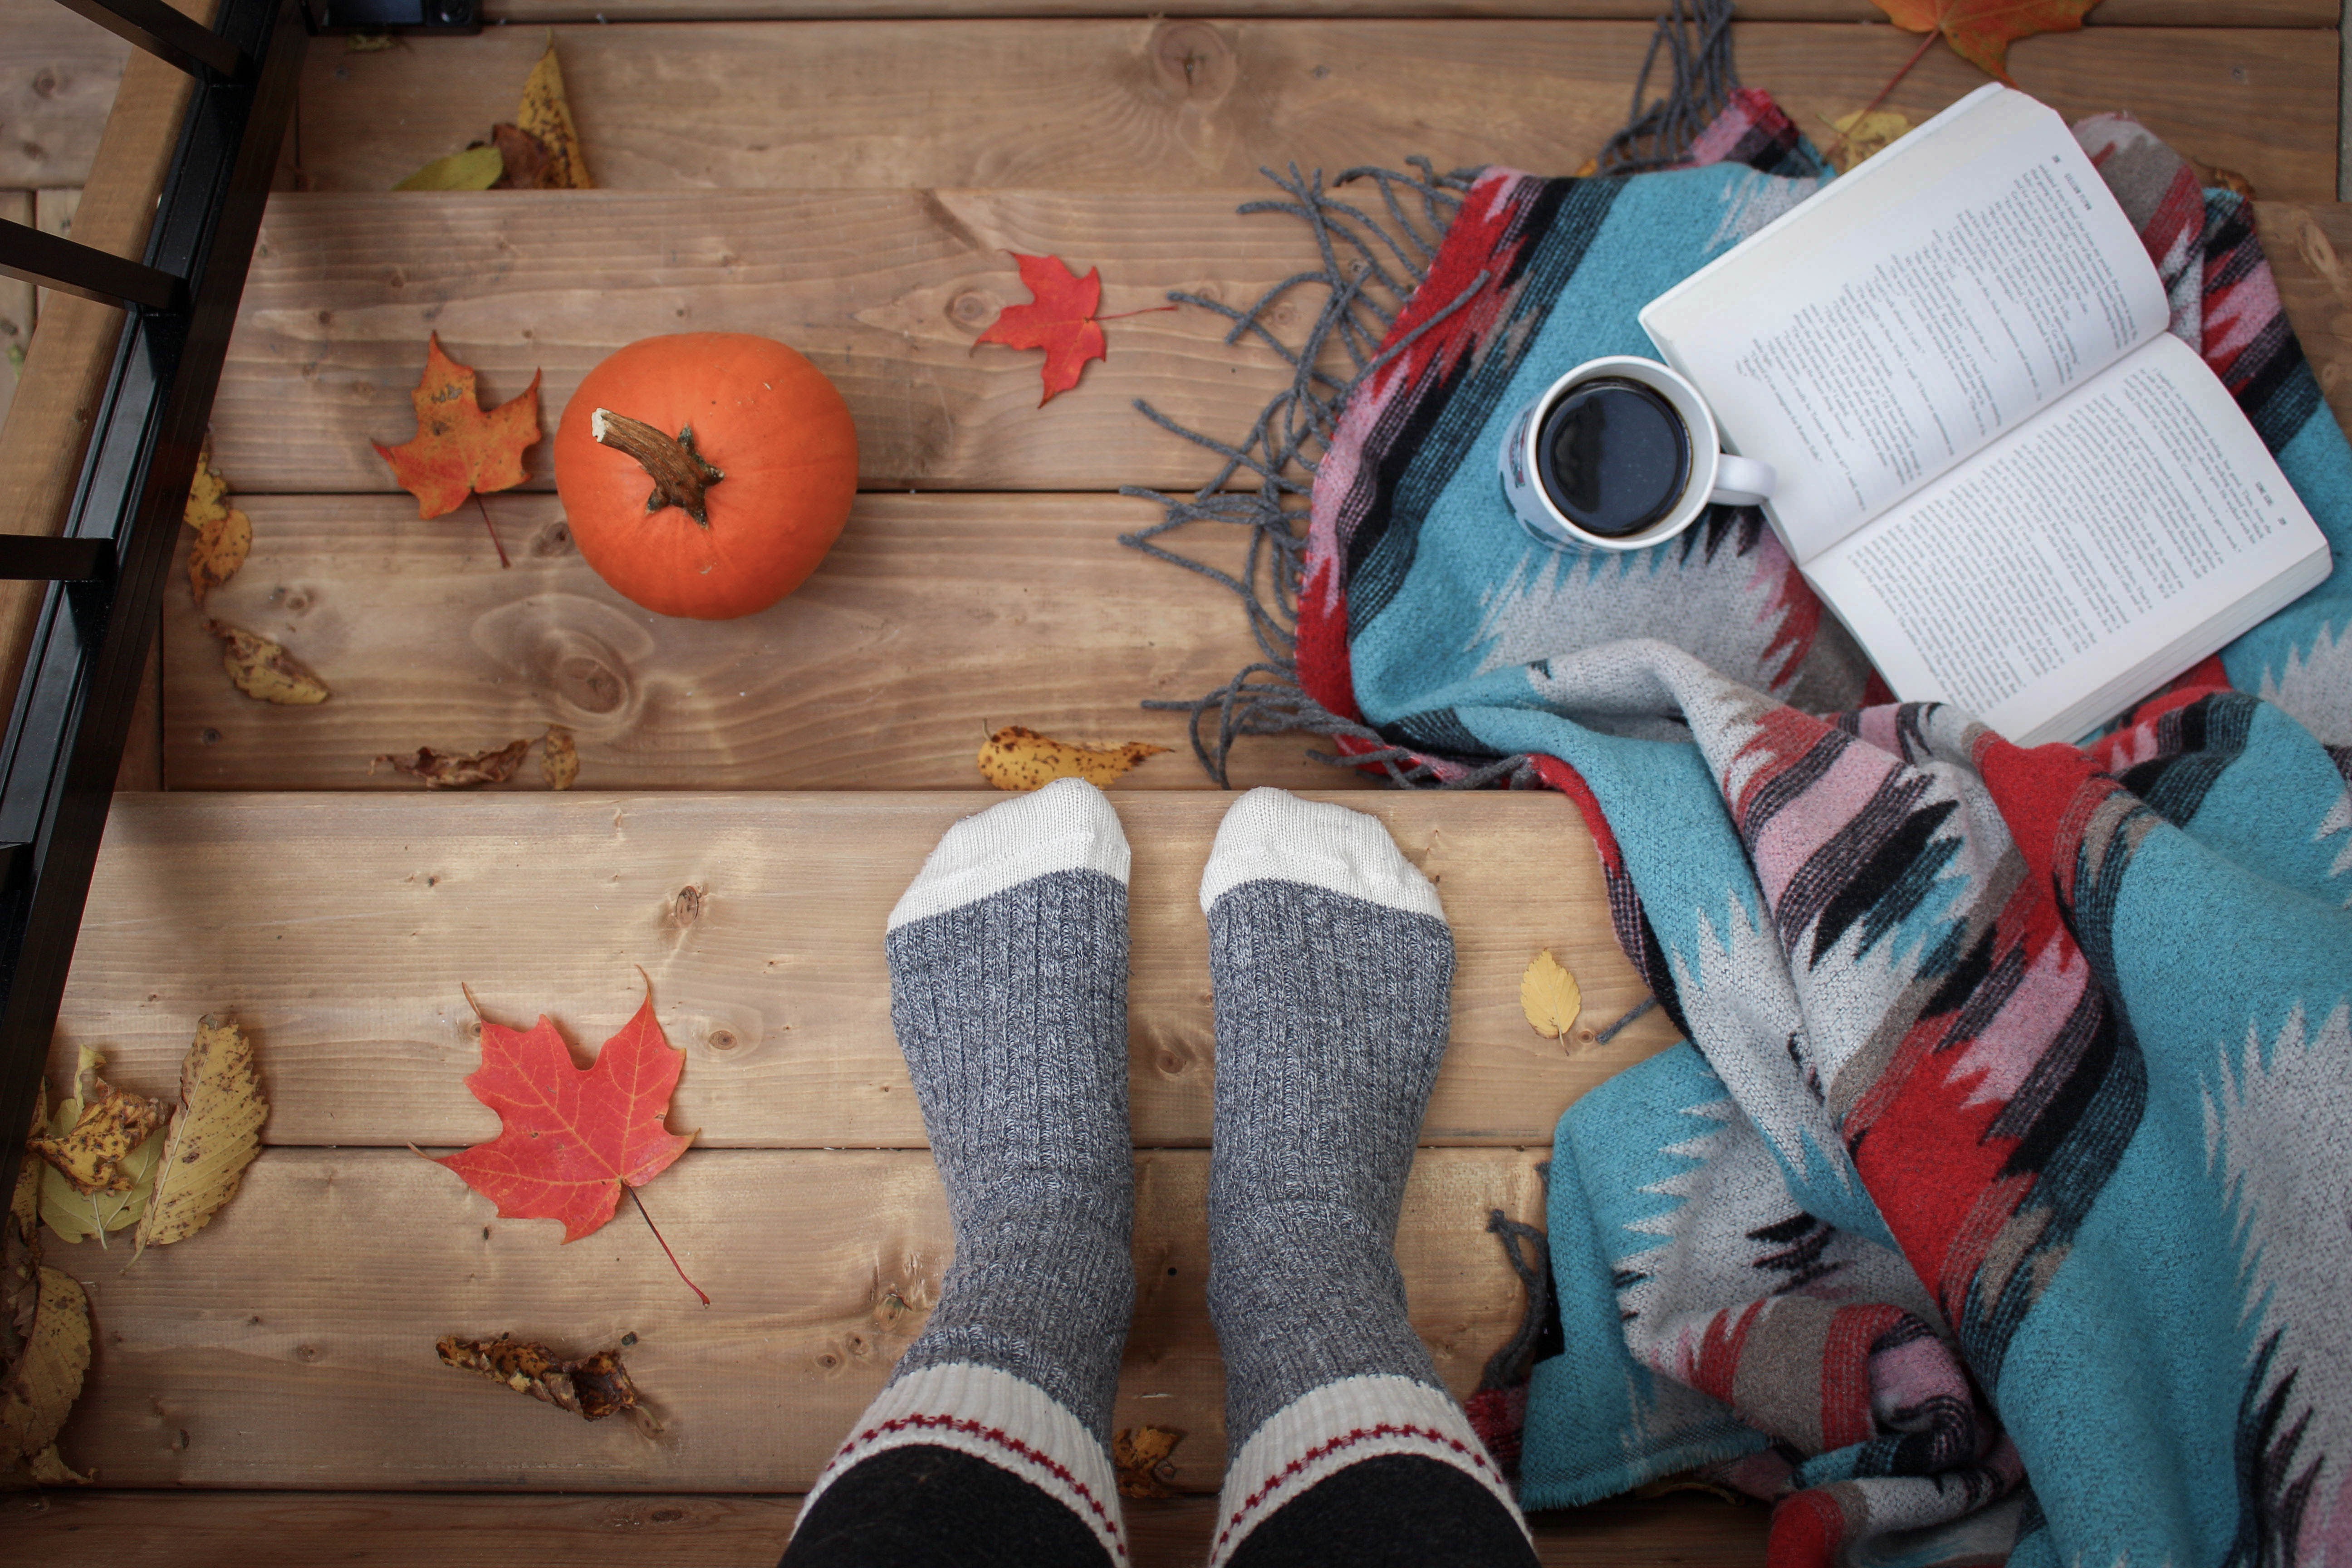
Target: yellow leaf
{"x": 224, "y": 534}
{"x": 46, "y": 1468}
{"x": 106, "y": 1125}
{"x": 1863, "y": 136}
{"x": 24, "y": 1205}
{"x": 1138, "y": 1452}
{"x": 559, "y": 759}
{"x": 77, "y": 1217}
{"x": 262, "y": 669}
{"x": 214, "y": 1135}
{"x": 475, "y": 169}
{"x": 547, "y": 115}
{"x": 366, "y": 43}
{"x": 47, "y": 1379}
{"x": 1548, "y": 996}
{"x": 1015, "y": 758}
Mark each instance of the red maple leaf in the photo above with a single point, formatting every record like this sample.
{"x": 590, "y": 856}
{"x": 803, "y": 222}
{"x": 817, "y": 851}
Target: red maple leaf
{"x": 572, "y": 1135}
{"x": 1062, "y": 321}
{"x": 1981, "y": 31}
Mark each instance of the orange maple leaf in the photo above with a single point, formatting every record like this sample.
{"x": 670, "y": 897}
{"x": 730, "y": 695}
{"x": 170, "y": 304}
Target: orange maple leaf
{"x": 1981, "y": 31}
{"x": 1062, "y": 321}
{"x": 458, "y": 450}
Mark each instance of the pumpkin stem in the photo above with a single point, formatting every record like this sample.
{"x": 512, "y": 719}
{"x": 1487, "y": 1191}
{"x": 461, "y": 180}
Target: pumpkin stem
{"x": 680, "y": 475}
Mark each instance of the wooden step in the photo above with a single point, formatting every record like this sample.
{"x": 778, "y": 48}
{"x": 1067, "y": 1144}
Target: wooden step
{"x": 886, "y": 292}
{"x": 341, "y": 929}
{"x": 1170, "y": 103}
{"x": 381, "y": 1530}
{"x": 937, "y": 620}
{"x": 293, "y": 1338}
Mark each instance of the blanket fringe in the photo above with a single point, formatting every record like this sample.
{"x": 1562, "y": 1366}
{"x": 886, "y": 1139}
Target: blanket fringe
{"x": 1370, "y": 264}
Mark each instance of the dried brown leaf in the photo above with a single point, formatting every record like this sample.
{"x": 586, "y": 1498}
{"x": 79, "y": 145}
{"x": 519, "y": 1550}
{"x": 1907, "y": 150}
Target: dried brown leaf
{"x": 459, "y": 770}
{"x": 524, "y": 161}
{"x": 1549, "y": 996}
{"x": 214, "y": 1135}
{"x": 1018, "y": 759}
{"x": 591, "y": 1388}
{"x": 262, "y": 669}
{"x": 1140, "y": 1453}
{"x": 559, "y": 759}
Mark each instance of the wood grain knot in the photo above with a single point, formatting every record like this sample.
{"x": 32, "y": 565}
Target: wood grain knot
{"x": 723, "y": 1040}
{"x": 975, "y": 308}
{"x": 1193, "y": 59}
{"x": 685, "y": 908}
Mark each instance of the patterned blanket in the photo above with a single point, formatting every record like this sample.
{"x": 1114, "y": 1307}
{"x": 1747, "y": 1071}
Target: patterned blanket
{"x": 1998, "y": 1201}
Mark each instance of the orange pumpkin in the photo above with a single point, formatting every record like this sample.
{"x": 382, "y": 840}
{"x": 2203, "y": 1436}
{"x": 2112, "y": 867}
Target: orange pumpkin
{"x": 706, "y": 474}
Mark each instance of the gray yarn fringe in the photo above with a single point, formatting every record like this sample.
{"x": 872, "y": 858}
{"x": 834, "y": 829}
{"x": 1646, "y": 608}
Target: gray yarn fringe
{"x": 1369, "y": 270}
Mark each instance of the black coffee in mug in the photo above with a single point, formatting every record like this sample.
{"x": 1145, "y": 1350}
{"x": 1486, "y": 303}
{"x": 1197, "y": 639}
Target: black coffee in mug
{"x": 1614, "y": 455}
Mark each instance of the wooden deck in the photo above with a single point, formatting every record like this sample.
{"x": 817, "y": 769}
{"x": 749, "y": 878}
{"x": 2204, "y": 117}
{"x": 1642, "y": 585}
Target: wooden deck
{"x": 847, "y": 175}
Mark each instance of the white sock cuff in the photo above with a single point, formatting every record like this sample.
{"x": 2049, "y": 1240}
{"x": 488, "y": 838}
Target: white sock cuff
{"x": 1327, "y": 1429}
{"x": 1271, "y": 834}
{"x": 996, "y": 1416}
{"x": 1067, "y": 825}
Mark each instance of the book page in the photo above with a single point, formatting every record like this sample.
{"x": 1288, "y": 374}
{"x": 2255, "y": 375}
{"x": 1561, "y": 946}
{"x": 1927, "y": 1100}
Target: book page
{"x": 1910, "y": 313}
{"x": 2069, "y": 555}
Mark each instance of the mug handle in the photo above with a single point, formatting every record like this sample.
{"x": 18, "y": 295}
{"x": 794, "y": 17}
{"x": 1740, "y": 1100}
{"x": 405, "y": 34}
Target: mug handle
{"x": 1741, "y": 481}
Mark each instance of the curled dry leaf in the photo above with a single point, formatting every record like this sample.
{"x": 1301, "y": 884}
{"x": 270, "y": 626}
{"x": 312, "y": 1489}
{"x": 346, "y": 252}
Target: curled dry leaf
{"x": 1863, "y": 135}
{"x": 92, "y": 1134}
{"x": 1549, "y": 996}
{"x": 559, "y": 759}
{"x": 525, "y": 165}
{"x": 262, "y": 669}
{"x": 73, "y": 1215}
{"x": 591, "y": 1388}
{"x": 459, "y": 770}
{"x": 214, "y": 1135}
{"x": 1019, "y": 758}
{"x": 545, "y": 116}
{"x": 478, "y": 168}
{"x": 43, "y": 1383}
{"x": 224, "y": 534}
{"x": 1139, "y": 1452}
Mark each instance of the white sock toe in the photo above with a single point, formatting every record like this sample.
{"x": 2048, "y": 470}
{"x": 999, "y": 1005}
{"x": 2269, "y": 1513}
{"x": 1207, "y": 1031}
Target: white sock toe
{"x": 1067, "y": 825}
{"x": 1271, "y": 834}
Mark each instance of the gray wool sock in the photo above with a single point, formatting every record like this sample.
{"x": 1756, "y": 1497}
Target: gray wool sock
{"x": 1332, "y": 966}
{"x": 1008, "y": 991}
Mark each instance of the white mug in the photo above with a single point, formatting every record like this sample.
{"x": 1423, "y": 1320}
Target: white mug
{"x": 1714, "y": 476}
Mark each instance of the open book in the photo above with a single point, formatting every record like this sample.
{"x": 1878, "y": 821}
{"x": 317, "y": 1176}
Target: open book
{"x": 2016, "y": 488}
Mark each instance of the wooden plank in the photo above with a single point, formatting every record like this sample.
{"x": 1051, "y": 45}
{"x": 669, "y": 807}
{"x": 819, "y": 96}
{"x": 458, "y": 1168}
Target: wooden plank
{"x": 468, "y": 1530}
{"x": 53, "y": 213}
{"x": 58, "y": 73}
{"x": 2109, "y": 14}
{"x": 339, "y": 928}
{"x": 935, "y": 621}
{"x": 294, "y": 1337}
{"x": 886, "y": 292}
{"x": 1167, "y": 103}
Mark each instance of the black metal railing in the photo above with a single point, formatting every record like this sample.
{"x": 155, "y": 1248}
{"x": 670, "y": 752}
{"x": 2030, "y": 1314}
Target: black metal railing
{"x": 106, "y": 573}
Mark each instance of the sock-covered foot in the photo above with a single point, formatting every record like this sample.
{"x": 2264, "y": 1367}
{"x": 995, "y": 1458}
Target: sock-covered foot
{"x": 1008, "y": 992}
{"x": 1333, "y": 967}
